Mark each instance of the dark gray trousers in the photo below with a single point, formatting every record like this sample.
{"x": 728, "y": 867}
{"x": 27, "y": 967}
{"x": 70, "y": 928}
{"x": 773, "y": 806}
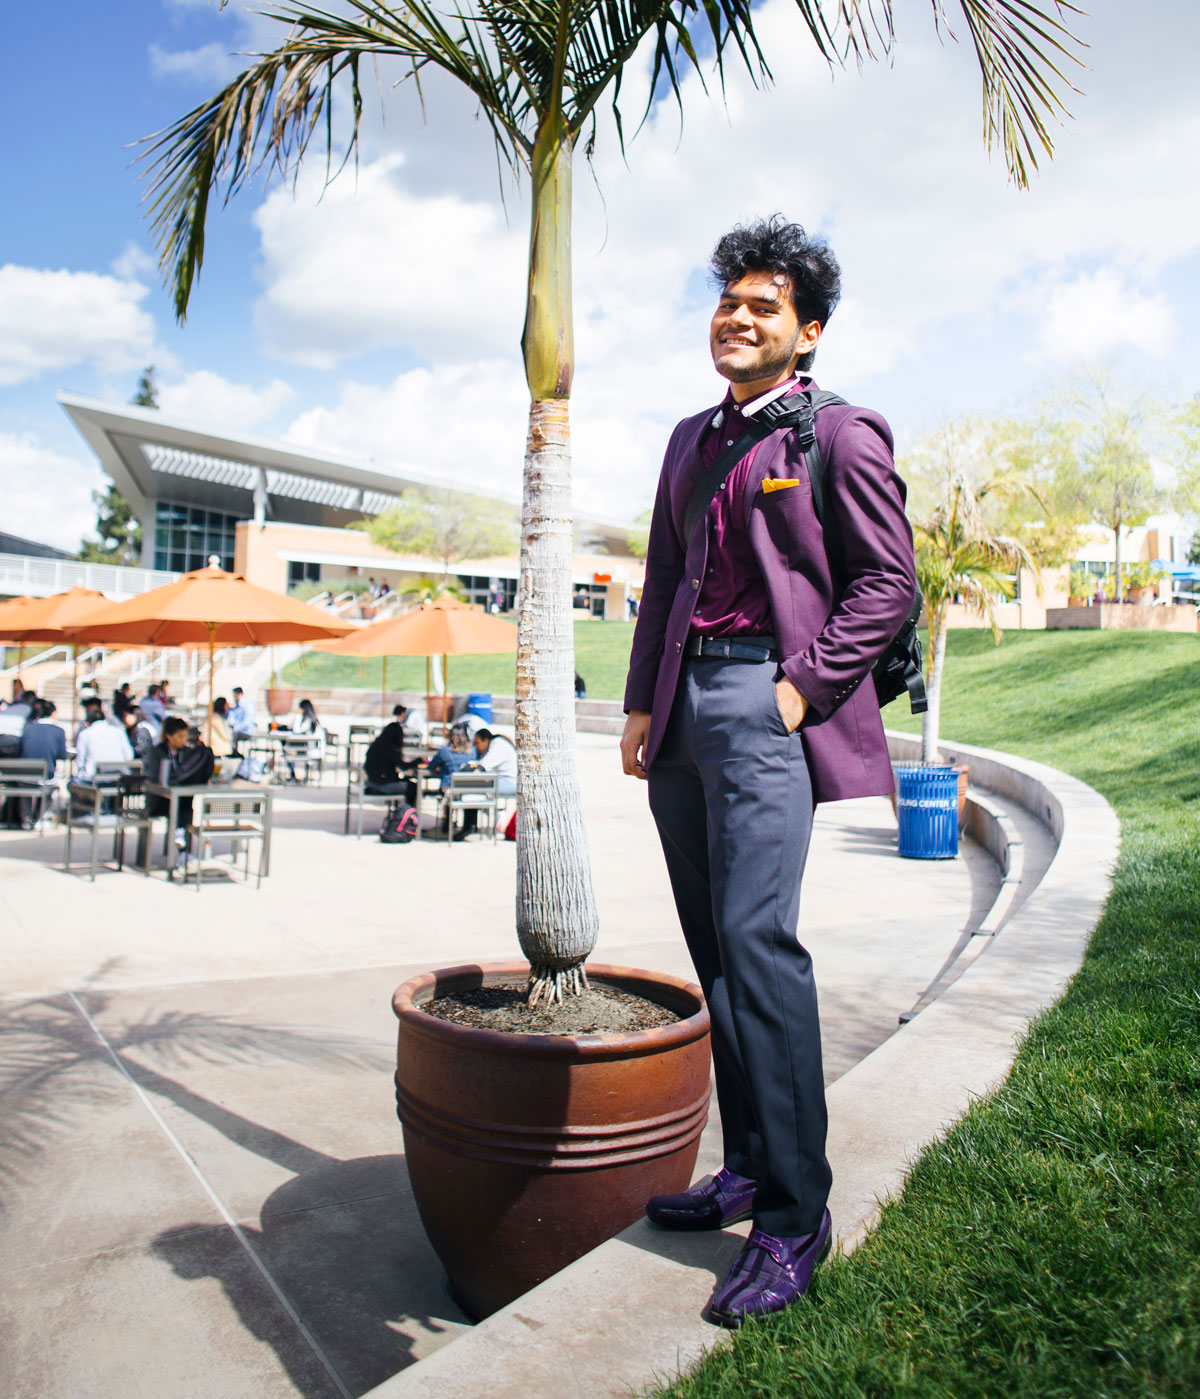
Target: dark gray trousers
{"x": 731, "y": 796}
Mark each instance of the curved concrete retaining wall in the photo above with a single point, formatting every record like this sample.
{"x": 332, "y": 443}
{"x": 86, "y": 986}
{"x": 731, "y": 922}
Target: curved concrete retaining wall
{"x": 629, "y": 1311}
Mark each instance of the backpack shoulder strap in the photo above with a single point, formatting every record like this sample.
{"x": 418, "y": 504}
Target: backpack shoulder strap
{"x": 812, "y": 453}
{"x": 795, "y": 411}
{"x": 709, "y": 482}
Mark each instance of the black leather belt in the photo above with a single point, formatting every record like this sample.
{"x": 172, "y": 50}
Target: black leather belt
{"x": 733, "y": 648}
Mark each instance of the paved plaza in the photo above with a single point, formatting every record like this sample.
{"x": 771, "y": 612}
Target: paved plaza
{"x": 201, "y": 1173}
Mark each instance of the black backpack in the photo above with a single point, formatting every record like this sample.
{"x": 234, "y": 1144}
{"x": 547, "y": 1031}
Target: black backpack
{"x": 899, "y": 670}
{"x": 399, "y": 825}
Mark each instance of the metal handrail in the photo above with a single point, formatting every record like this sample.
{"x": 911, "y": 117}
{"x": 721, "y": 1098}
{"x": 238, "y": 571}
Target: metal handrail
{"x": 42, "y": 657}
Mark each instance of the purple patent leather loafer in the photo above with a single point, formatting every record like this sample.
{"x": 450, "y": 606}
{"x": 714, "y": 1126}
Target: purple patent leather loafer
{"x": 768, "y": 1274}
{"x": 711, "y": 1203}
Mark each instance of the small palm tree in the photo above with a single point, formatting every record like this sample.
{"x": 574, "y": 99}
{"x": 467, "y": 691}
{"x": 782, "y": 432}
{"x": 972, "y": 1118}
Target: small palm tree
{"x": 538, "y": 70}
{"x": 959, "y": 560}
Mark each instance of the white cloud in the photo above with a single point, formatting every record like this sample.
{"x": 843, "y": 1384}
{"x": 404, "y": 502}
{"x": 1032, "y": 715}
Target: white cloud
{"x": 49, "y": 320}
{"x": 47, "y": 496}
{"x": 211, "y": 63}
{"x": 461, "y": 424}
{"x": 223, "y": 406}
{"x": 1092, "y": 315}
{"x": 134, "y": 263}
{"x": 369, "y": 265}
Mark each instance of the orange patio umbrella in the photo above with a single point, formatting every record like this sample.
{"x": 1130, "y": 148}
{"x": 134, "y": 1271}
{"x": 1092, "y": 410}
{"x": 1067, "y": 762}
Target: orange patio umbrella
{"x": 9, "y": 608}
{"x": 209, "y": 607}
{"x": 443, "y": 627}
{"x": 51, "y": 619}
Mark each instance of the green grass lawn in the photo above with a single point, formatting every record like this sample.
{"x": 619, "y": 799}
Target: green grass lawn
{"x": 1050, "y": 1246}
{"x": 601, "y": 657}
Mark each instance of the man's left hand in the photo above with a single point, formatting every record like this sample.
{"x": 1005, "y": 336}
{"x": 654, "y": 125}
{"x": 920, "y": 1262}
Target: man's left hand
{"x": 792, "y": 705}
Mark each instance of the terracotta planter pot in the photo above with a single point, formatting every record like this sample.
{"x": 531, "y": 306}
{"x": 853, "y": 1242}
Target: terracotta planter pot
{"x": 963, "y": 773}
{"x": 527, "y": 1151}
{"x": 279, "y": 701}
{"x": 439, "y": 709}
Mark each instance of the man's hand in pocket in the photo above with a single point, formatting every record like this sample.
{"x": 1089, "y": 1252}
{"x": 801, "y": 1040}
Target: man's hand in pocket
{"x": 792, "y": 705}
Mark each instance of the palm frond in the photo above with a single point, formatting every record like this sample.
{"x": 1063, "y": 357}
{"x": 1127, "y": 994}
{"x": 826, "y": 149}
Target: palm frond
{"x": 270, "y": 113}
{"x": 1023, "y": 49}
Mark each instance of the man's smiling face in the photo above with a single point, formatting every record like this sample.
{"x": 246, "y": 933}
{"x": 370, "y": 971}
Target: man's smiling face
{"x": 755, "y": 334}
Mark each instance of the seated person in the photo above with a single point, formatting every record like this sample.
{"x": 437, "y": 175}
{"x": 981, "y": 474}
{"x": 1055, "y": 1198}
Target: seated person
{"x": 469, "y": 724}
{"x": 154, "y": 711}
{"x": 450, "y": 758}
{"x": 13, "y": 719}
{"x": 383, "y": 763}
{"x": 497, "y": 754}
{"x": 42, "y": 739}
{"x": 177, "y": 763}
{"x": 100, "y": 741}
{"x": 222, "y": 741}
{"x": 242, "y": 718}
{"x": 93, "y": 713}
{"x": 412, "y": 721}
{"x": 39, "y": 739}
{"x": 140, "y": 737}
{"x": 307, "y": 726}
{"x": 122, "y": 699}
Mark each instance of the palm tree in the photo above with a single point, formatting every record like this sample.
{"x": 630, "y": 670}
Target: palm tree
{"x": 538, "y": 69}
{"x": 959, "y": 560}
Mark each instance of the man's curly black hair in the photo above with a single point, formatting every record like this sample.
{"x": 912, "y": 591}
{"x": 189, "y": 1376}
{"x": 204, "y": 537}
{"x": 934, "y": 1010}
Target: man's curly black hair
{"x": 774, "y": 245}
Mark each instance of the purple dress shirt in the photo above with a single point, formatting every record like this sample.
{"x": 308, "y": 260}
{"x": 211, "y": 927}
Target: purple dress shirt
{"x": 733, "y": 597}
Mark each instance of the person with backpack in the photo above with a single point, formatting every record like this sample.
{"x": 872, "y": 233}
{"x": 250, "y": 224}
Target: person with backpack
{"x": 179, "y": 761}
{"x": 751, "y": 698}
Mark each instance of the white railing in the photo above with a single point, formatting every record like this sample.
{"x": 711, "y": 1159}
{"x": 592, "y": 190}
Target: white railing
{"x": 34, "y": 577}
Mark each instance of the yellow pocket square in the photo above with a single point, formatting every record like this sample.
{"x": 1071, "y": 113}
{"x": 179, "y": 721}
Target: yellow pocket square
{"x": 779, "y": 485}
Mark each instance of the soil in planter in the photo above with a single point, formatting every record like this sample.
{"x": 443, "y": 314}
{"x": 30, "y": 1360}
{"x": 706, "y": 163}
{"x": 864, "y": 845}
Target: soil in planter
{"x": 600, "y": 1010}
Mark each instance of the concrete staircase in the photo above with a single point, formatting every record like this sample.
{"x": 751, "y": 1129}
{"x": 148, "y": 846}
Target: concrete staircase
{"x": 599, "y": 716}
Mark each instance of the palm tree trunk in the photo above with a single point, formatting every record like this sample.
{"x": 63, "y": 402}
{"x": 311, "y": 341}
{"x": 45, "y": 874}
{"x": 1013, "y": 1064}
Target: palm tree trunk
{"x": 1117, "y": 591}
{"x": 931, "y": 719}
{"x": 556, "y": 907}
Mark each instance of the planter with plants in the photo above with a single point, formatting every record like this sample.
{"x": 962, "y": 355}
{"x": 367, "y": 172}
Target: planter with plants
{"x": 526, "y": 1150}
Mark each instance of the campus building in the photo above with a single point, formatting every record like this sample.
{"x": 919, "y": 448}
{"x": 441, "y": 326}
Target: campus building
{"x": 282, "y": 515}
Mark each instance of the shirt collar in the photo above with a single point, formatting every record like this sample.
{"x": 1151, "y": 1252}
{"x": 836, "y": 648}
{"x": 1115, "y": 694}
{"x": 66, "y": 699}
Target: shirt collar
{"x": 748, "y": 410}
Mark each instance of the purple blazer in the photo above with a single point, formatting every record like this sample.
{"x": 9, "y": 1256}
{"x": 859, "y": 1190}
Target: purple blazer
{"x": 831, "y": 625}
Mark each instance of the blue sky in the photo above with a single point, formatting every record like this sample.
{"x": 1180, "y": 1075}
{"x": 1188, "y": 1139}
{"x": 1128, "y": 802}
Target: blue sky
{"x": 380, "y": 318}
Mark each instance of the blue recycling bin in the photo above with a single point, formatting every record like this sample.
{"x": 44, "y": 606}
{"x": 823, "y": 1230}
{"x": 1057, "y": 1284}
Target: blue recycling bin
{"x": 481, "y": 706}
{"x": 927, "y": 808}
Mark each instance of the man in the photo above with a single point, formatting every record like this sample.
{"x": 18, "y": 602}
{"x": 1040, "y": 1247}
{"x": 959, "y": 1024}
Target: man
{"x": 101, "y": 741}
{"x": 493, "y": 753}
{"x": 93, "y": 713}
{"x": 242, "y": 718}
{"x": 749, "y": 700}
{"x": 176, "y": 763}
{"x": 44, "y": 740}
{"x": 154, "y": 711}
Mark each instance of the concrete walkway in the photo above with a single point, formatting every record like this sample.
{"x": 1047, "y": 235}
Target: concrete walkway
{"x": 201, "y": 1176}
